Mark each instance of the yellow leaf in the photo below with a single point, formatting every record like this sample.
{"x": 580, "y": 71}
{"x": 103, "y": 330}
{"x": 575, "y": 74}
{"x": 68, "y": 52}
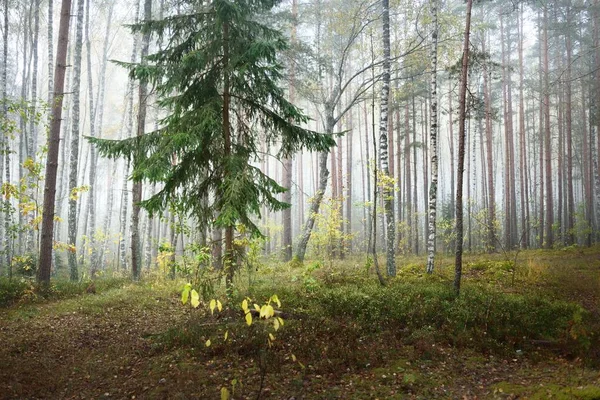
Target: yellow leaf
{"x": 256, "y": 307}
{"x": 245, "y": 306}
{"x": 271, "y": 337}
{"x": 276, "y": 300}
{"x": 293, "y": 358}
{"x": 276, "y": 324}
{"x": 208, "y": 343}
{"x": 280, "y": 320}
{"x": 195, "y": 299}
{"x": 219, "y": 306}
{"x": 212, "y": 306}
{"x": 224, "y": 393}
{"x": 249, "y": 318}
{"x": 226, "y": 335}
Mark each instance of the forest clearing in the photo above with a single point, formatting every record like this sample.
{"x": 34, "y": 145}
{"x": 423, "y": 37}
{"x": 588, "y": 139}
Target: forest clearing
{"x": 535, "y": 337}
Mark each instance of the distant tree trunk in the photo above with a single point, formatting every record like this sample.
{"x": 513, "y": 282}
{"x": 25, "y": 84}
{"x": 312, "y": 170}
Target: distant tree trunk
{"x": 522, "y": 142}
{"x": 387, "y": 190}
{"x": 32, "y": 137}
{"x": 136, "y": 262}
{"x": 451, "y": 145}
{"x": 315, "y": 205}
{"x": 491, "y": 223}
{"x": 286, "y": 240}
{"x": 5, "y": 143}
{"x": 91, "y": 205}
{"x": 125, "y": 193}
{"x": 349, "y": 162}
{"x": 45, "y": 263}
{"x": 72, "y": 221}
{"x": 415, "y": 186}
{"x": 407, "y": 176}
{"x": 433, "y": 129}
{"x": 570, "y": 198}
{"x": 549, "y": 234}
{"x": 461, "y": 151}
{"x": 541, "y": 130}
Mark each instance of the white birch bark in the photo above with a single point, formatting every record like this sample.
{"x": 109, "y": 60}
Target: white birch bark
{"x": 433, "y": 129}
{"x": 387, "y": 190}
{"x": 74, "y": 162}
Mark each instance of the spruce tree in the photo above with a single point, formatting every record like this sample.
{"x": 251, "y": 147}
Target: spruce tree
{"x": 217, "y": 80}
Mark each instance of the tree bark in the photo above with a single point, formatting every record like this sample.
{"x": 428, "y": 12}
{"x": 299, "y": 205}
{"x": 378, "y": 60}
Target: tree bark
{"x": 387, "y": 190}
{"x": 461, "y": 151}
{"x": 74, "y": 161}
{"x": 549, "y": 234}
{"x": 45, "y": 263}
{"x": 136, "y": 253}
{"x": 433, "y": 129}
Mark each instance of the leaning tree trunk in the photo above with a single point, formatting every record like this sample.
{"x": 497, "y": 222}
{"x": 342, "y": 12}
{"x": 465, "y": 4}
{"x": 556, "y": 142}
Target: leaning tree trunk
{"x": 72, "y": 221}
{"x": 316, "y": 203}
{"x": 45, "y": 263}
{"x": 387, "y": 189}
{"x": 136, "y": 262}
{"x": 433, "y": 128}
{"x": 462, "y": 116}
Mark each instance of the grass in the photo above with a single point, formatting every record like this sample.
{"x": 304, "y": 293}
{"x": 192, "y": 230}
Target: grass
{"x": 527, "y": 330}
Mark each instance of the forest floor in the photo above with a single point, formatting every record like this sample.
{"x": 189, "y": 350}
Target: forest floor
{"x": 138, "y": 341}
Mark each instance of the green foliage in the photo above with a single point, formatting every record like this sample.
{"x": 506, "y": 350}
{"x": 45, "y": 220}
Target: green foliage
{"x": 479, "y": 317}
{"x": 26, "y": 291}
{"x": 197, "y": 152}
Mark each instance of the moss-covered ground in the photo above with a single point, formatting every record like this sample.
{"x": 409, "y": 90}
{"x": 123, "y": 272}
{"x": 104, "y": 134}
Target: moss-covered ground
{"x": 527, "y": 331}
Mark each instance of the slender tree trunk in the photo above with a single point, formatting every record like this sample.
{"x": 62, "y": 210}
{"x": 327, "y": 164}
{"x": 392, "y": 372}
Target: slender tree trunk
{"x": 549, "y": 234}
{"x": 229, "y": 258}
{"x": 461, "y": 151}
{"x": 45, "y": 263}
{"x": 570, "y": 198}
{"x": 136, "y": 254}
{"x": 5, "y": 143}
{"x": 74, "y": 163}
{"x": 286, "y": 240}
{"x": 433, "y": 129}
{"x": 522, "y": 141}
{"x": 491, "y": 222}
{"x": 387, "y": 189}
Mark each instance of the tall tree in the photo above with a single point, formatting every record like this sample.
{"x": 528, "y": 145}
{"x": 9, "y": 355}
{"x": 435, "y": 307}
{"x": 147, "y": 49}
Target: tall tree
{"x": 74, "y": 161}
{"x": 212, "y": 109}
{"x": 387, "y": 187}
{"x": 45, "y": 263}
{"x": 549, "y": 233}
{"x": 286, "y": 240}
{"x": 136, "y": 262}
{"x": 433, "y": 129}
{"x": 462, "y": 116}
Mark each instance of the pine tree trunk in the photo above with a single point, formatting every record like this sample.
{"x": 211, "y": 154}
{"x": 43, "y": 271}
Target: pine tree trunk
{"x": 461, "y": 151}
{"x": 45, "y": 263}
{"x": 549, "y": 234}
{"x": 74, "y": 162}
{"x": 491, "y": 214}
{"x": 570, "y": 198}
{"x": 136, "y": 262}
{"x": 286, "y": 240}
{"x": 433, "y": 129}
{"x": 522, "y": 141}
